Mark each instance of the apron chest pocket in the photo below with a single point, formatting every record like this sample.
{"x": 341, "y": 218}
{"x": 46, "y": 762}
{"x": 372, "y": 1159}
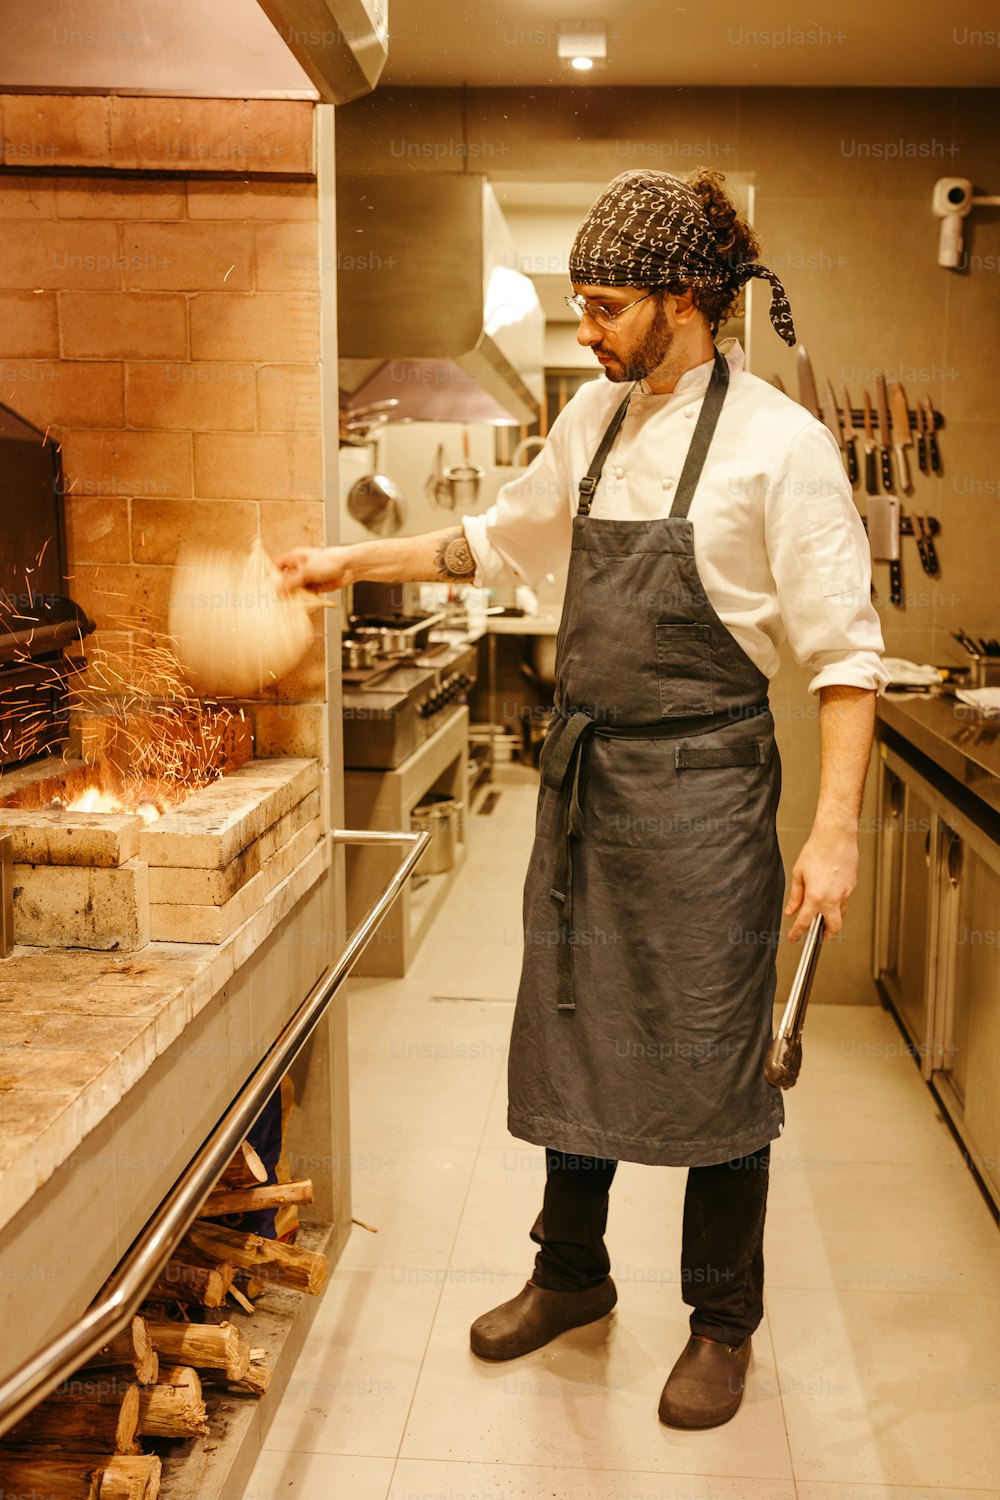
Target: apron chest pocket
{"x": 684, "y": 668}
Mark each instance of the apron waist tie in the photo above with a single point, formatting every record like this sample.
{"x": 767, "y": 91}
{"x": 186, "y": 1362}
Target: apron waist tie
{"x": 562, "y": 775}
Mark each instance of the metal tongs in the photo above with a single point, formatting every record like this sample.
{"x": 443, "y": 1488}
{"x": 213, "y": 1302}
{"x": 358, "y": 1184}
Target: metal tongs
{"x": 784, "y": 1056}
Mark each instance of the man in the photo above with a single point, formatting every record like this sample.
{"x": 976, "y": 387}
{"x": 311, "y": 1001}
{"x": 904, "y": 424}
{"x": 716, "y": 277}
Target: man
{"x": 705, "y": 518}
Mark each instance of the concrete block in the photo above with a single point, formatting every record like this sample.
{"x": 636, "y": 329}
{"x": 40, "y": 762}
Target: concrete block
{"x": 214, "y": 924}
{"x": 170, "y": 886}
{"x": 74, "y": 907}
{"x": 212, "y": 826}
{"x": 50, "y": 836}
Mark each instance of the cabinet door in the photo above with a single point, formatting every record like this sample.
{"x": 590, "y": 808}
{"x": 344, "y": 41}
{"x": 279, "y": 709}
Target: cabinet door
{"x": 969, "y": 966}
{"x": 906, "y": 834}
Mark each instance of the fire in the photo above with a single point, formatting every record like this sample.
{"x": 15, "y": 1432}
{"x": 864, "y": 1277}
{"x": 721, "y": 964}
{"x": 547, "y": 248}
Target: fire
{"x": 92, "y": 799}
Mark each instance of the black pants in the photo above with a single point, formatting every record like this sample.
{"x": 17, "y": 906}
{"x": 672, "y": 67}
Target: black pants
{"x": 722, "y": 1256}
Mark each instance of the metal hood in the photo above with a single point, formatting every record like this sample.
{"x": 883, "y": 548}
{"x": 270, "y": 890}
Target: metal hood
{"x": 433, "y": 310}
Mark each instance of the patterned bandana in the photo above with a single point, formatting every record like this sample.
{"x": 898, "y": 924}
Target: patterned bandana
{"x": 648, "y": 229}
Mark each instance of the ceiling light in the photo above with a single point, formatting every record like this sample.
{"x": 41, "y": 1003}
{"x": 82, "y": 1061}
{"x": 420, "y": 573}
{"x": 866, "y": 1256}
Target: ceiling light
{"x": 582, "y": 49}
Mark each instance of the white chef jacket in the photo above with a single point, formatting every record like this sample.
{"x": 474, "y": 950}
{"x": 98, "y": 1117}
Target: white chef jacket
{"x": 779, "y": 544}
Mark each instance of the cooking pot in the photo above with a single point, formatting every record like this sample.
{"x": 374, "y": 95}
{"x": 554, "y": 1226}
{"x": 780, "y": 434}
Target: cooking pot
{"x": 357, "y": 655}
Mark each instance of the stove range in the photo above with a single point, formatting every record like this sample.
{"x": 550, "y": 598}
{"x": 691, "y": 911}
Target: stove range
{"x": 391, "y": 708}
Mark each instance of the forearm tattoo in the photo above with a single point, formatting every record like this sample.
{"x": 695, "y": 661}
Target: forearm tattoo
{"x": 453, "y": 559}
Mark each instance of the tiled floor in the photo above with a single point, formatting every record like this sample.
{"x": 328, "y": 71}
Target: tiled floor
{"x": 876, "y": 1372}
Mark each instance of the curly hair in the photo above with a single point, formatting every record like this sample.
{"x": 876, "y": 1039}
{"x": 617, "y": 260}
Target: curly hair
{"x": 735, "y": 242}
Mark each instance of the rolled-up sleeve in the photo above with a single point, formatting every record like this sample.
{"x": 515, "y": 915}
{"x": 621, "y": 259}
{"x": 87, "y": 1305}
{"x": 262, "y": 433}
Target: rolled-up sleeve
{"x": 821, "y": 563}
{"x": 527, "y": 531}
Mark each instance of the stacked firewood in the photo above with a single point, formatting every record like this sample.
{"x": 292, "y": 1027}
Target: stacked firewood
{"x": 84, "y": 1442}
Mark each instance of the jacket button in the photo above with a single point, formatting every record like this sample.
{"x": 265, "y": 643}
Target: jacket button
{"x": 667, "y": 484}
{"x": 689, "y": 412}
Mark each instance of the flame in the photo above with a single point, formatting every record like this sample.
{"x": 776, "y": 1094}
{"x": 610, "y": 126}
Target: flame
{"x": 93, "y": 799}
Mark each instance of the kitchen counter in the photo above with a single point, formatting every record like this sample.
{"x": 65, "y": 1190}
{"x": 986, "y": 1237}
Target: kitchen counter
{"x": 957, "y": 738}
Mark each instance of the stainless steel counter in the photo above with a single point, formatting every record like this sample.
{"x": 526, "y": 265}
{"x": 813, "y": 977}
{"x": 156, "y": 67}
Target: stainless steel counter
{"x": 955, "y": 737}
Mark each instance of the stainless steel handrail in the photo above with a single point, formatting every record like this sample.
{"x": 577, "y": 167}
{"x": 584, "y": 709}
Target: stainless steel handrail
{"x": 111, "y": 1313}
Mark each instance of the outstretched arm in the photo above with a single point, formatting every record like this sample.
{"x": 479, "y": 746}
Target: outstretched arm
{"x": 826, "y": 871}
{"x": 434, "y": 557}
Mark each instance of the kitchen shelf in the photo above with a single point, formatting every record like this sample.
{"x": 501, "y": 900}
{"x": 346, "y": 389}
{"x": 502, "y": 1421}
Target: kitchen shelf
{"x": 385, "y": 799}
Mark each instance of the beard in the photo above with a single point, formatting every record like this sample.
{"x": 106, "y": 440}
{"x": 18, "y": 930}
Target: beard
{"x": 645, "y": 356}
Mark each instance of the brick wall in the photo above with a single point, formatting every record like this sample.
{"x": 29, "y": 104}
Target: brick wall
{"x": 163, "y": 322}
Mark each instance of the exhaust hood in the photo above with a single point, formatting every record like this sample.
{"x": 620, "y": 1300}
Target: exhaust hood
{"x": 433, "y": 311}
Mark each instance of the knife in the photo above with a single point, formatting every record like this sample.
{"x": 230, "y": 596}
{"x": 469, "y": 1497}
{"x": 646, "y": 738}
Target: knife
{"x": 926, "y": 547}
{"x": 807, "y": 382}
{"x": 921, "y": 416}
{"x": 776, "y": 382}
{"x": 850, "y": 451}
{"x": 885, "y": 440}
{"x": 831, "y": 416}
{"x": 871, "y": 468}
{"x": 932, "y": 442}
{"x": 883, "y": 538}
{"x": 901, "y": 436}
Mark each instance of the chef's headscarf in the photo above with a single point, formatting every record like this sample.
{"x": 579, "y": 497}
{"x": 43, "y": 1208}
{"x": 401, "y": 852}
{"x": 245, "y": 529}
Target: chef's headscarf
{"x": 649, "y": 229}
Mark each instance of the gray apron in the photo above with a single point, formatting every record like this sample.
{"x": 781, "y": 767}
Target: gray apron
{"x": 652, "y": 904}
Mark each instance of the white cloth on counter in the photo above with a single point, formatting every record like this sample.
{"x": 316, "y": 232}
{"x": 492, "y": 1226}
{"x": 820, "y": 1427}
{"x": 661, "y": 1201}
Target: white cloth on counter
{"x": 779, "y": 544}
{"x": 986, "y": 699}
{"x": 910, "y": 673}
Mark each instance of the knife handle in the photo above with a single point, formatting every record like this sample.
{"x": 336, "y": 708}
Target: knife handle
{"x": 922, "y": 452}
{"x": 932, "y": 566}
{"x": 932, "y": 448}
{"x": 895, "y": 582}
{"x": 852, "y": 461}
{"x": 871, "y": 472}
{"x": 886, "y": 460}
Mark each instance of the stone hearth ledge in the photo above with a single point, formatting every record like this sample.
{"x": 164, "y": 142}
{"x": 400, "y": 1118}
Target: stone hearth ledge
{"x": 79, "y": 1028}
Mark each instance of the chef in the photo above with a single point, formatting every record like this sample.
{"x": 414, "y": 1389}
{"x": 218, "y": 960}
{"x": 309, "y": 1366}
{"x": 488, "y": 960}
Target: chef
{"x": 704, "y": 518}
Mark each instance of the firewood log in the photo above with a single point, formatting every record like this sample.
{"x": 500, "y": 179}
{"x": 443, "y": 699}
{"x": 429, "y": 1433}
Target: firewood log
{"x": 245, "y": 1170}
{"x": 256, "y": 1380}
{"x": 173, "y": 1408}
{"x": 95, "y": 1422}
{"x": 270, "y": 1260}
{"x": 45, "y": 1476}
{"x": 127, "y": 1478}
{"x": 203, "y": 1345}
{"x": 252, "y": 1200}
{"x": 181, "y": 1282}
{"x": 129, "y": 1348}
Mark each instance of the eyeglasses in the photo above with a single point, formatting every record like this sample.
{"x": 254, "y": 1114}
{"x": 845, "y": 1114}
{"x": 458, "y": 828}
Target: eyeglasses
{"x": 604, "y": 317}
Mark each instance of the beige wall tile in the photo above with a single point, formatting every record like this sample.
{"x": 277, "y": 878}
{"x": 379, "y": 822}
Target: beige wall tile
{"x": 128, "y": 463}
{"x": 289, "y": 398}
{"x": 290, "y": 523}
{"x": 132, "y": 325}
{"x": 53, "y": 255}
{"x": 27, "y": 198}
{"x": 281, "y": 326}
{"x": 30, "y": 324}
{"x": 119, "y": 198}
{"x": 196, "y": 396}
{"x": 288, "y": 257}
{"x": 188, "y": 257}
{"x": 68, "y": 393}
{"x": 282, "y": 466}
{"x": 114, "y": 593}
{"x": 97, "y": 529}
{"x": 264, "y": 200}
{"x": 57, "y": 130}
{"x": 178, "y": 134}
{"x": 279, "y": 135}
{"x": 161, "y": 527}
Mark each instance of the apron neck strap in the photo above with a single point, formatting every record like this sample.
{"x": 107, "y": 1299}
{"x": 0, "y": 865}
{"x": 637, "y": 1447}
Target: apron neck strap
{"x": 708, "y": 417}
{"x": 592, "y": 478}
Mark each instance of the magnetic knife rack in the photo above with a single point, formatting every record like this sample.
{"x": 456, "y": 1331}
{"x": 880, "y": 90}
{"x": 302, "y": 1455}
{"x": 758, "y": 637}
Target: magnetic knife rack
{"x": 858, "y": 419}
